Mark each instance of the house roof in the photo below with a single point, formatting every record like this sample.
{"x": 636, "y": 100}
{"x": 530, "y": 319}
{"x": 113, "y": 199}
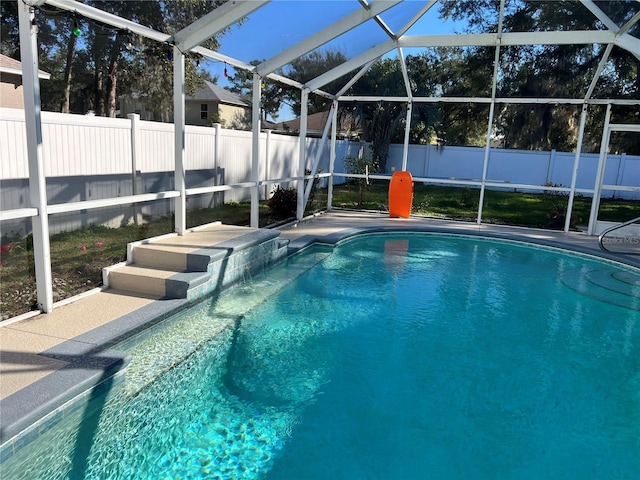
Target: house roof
{"x": 11, "y": 66}
{"x": 316, "y": 123}
{"x": 212, "y": 92}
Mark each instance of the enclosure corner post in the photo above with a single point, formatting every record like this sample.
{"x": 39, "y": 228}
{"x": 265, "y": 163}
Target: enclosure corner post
{"x": 255, "y": 151}
{"x": 37, "y": 179}
{"x": 179, "y": 130}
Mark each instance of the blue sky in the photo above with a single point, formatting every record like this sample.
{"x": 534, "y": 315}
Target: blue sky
{"x": 283, "y": 23}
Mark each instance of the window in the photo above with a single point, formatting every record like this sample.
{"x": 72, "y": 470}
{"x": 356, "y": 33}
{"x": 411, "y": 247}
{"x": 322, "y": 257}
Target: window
{"x": 204, "y": 111}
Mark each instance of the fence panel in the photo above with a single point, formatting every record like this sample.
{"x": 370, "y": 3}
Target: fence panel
{"x": 87, "y": 158}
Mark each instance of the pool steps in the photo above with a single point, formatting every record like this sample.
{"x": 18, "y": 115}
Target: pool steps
{"x": 201, "y": 262}
{"x": 606, "y": 285}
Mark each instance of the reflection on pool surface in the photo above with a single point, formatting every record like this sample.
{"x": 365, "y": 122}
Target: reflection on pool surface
{"x": 391, "y": 356}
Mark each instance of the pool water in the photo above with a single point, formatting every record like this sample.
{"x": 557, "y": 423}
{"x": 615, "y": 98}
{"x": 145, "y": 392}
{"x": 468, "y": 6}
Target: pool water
{"x": 404, "y": 356}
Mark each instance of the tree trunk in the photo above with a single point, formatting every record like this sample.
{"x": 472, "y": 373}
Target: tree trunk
{"x": 99, "y": 93}
{"x": 112, "y": 82}
{"x": 71, "y": 50}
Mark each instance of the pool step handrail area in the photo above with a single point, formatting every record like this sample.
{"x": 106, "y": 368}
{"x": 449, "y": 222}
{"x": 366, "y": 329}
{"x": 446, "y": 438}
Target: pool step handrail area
{"x": 628, "y": 240}
{"x": 201, "y": 262}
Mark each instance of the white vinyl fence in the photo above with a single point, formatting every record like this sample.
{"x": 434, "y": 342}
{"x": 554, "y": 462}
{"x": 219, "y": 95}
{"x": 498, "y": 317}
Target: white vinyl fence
{"x": 95, "y": 158}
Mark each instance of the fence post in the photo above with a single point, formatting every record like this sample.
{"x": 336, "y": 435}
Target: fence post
{"x": 552, "y": 159}
{"x": 135, "y": 156}
{"x": 427, "y": 155}
{"x": 620, "y": 174}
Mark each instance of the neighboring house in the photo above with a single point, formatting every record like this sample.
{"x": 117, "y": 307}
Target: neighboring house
{"x": 11, "y": 94}
{"x": 209, "y": 104}
{"x": 348, "y": 126}
{"x": 135, "y": 103}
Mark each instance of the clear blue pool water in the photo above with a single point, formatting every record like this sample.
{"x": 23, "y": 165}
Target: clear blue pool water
{"x": 406, "y": 356}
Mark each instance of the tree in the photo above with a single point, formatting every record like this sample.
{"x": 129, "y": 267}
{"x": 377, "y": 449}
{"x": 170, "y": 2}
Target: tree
{"x": 90, "y": 72}
{"x": 553, "y": 71}
{"x": 380, "y": 119}
{"x": 273, "y": 93}
{"x": 310, "y": 66}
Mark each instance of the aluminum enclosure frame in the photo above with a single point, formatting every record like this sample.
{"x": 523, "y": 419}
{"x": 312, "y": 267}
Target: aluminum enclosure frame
{"x": 191, "y": 37}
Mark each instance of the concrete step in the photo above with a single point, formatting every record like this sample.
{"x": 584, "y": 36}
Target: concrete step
{"x": 155, "y": 281}
{"x": 213, "y": 256}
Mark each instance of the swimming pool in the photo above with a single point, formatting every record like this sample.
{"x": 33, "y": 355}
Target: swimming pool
{"x": 389, "y": 356}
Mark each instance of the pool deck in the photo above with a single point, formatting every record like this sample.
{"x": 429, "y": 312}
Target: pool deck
{"x": 69, "y": 346}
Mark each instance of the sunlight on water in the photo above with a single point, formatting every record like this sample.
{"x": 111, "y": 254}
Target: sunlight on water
{"x": 395, "y": 356}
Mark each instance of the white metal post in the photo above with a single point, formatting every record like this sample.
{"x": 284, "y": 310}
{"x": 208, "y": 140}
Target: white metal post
{"x": 216, "y": 154}
{"x": 316, "y": 158}
{"x": 576, "y": 166}
{"x": 179, "y": 130}
{"x": 135, "y": 156}
{"x": 332, "y": 155}
{"x": 494, "y": 89}
{"x": 302, "y": 157}
{"x": 485, "y": 162}
{"x": 267, "y": 163}
{"x": 597, "y": 188}
{"x": 37, "y": 180}
{"x": 407, "y": 130}
{"x": 255, "y": 151}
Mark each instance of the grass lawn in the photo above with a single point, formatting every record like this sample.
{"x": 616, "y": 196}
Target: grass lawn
{"x": 79, "y": 256}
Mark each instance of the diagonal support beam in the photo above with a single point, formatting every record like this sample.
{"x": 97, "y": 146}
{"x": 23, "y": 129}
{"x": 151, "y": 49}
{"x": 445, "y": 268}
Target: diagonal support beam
{"x": 381, "y": 23}
{"x": 632, "y": 21}
{"x": 600, "y": 15}
{"x": 350, "y": 65}
{"x": 109, "y": 19}
{"x": 324, "y": 36}
{"x": 215, "y": 21}
{"x": 623, "y": 39}
{"x": 630, "y": 44}
{"x": 596, "y": 75}
{"x": 427, "y": 6}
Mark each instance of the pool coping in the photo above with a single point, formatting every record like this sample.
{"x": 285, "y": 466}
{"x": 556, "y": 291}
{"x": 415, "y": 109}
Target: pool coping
{"x": 574, "y": 241}
{"x": 91, "y": 360}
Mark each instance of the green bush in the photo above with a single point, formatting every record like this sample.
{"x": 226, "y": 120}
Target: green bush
{"x": 283, "y": 202}
{"x": 361, "y": 166}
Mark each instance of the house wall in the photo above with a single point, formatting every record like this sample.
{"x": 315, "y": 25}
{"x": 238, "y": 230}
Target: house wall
{"x": 192, "y": 112}
{"x": 234, "y": 117}
{"x": 131, "y": 105}
{"x": 11, "y": 94}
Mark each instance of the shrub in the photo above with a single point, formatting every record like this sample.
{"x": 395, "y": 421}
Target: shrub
{"x": 283, "y": 202}
{"x": 361, "y": 166}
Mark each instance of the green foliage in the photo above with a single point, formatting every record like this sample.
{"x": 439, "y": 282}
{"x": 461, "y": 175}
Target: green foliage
{"x": 273, "y": 92}
{"x": 283, "y": 202}
{"x": 361, "y": 166}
